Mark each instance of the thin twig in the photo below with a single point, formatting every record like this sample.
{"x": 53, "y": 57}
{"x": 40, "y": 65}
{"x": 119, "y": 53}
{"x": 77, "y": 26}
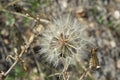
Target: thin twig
{"x": 18, "y": 57}
{"x": 84, "y": 74}
{"x": 11, "y": 3}
{"x": 26, "y": 16}
{"x": 38, "y": 66}
{"x": 86, "y": 70}
{"x": 8, "y": 71}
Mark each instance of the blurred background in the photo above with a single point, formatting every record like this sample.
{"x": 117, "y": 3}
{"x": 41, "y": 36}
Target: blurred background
{"x": 17, "y": 25}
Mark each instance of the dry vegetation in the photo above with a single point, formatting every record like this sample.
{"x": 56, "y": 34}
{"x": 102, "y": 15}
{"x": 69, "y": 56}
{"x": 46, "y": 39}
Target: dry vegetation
{"x": 59, "y": 39}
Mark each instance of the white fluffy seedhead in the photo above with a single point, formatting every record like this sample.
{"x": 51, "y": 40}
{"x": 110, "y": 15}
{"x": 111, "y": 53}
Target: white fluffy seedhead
{"x": 63, "y": 40}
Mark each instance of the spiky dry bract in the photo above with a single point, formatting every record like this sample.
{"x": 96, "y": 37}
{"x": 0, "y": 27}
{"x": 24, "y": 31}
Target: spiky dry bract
{"x": 62, "y": 40}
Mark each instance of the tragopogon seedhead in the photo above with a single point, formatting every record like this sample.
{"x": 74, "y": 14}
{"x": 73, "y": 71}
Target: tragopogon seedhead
{"x": 63, "y": 40}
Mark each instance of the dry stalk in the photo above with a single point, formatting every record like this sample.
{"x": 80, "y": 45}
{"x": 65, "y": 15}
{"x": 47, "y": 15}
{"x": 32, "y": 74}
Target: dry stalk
{"x": 11, "y": 3}
{"x": 25, "y": 47}
{"x": 18, "y": 58}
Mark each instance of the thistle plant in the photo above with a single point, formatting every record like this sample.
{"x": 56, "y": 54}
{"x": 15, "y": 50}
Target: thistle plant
{"x": 63, "y": 40}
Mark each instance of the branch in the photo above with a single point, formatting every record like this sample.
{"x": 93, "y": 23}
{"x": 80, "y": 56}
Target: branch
{"x": 26, "y": 16}
{"x": 18, "y": 56}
